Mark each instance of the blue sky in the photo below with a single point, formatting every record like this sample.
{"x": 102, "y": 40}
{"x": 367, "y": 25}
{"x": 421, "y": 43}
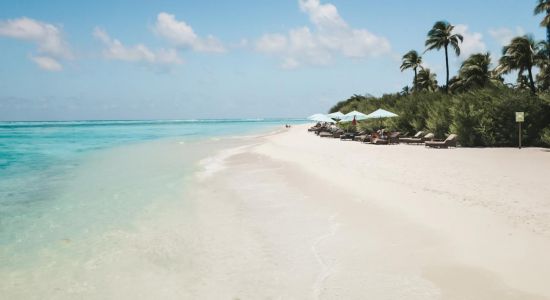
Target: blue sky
{"x": 166, "y": 59}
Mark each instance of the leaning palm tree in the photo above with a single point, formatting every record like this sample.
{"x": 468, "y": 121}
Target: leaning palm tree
{"x": 474, "y": 71}
{"x": 412, "y": 60}
{"x": 426, "y": 80}
{"x": 456, "y": 85}
{"x": 522, "y": 54}
{"x": 441, "y": 36}
{"x": 543, "y": 7}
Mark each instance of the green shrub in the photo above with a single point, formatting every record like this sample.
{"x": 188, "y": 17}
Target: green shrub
{"x": 545, "y": 136}
{"x": 466, "y": 121}
{"x": 481, "y": 117}
{"x": 439, "y": 118}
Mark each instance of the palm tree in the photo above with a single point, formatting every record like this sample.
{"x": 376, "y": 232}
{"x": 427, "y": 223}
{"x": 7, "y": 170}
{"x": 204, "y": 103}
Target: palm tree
{"x": 412, "y": 60}
{"x": 522, "y": 54}
{"x": 543, "y": 77}
{"x": 426, "y": 80}
{"x": 543, "y": 7}
{"x": 441, "y": 36}
{"x": 456, "y": 85}
{"x": 474, "y": 71}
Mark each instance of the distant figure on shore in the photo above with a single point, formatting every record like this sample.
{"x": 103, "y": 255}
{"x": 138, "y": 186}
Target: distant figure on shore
{"x": 287, "y": 126}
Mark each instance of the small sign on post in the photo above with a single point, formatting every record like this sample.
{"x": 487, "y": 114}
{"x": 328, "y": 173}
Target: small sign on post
{"x": 520, "y": 118}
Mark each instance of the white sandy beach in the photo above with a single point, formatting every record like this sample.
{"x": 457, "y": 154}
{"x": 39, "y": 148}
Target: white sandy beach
{"x": 289, "y": 215}
{"x": 295, "y": 216}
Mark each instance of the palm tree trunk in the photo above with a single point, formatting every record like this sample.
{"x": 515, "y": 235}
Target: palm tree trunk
{"x": 447, "y": 65}
{"x": 531, "y": 82}
{"x": 548, "y": 34}
{"x": 415, "y": 80}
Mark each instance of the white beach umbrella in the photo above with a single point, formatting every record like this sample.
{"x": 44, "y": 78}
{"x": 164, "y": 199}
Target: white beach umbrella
{"x": 358, "y": 116}
{"x": 380, "y": 114}
{"x": 336, "y": 115}
{"x": 320, "y": 118}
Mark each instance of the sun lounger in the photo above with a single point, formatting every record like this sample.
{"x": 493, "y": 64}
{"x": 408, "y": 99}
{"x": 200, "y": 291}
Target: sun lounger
{"x": 323, "y": 129}
{"x": 449, "y": 142}
{"x": 366, "y": 139}
{"x": 360, "y": 137}
{"x": 392, "y": 138}
{"x": 315, "y": 127}
{"x": 370, "y": 138}
{"x": 416, "y": 136}
{"x": 338, "y": 133}
{"x": 379, "y": 141}
{"x": 348, "y": 136}
{"x": 412, "y": 139}
{"x": 417, "y": 139}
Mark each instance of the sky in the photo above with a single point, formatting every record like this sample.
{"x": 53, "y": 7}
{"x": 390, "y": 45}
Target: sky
{"x": 168, "y": 59}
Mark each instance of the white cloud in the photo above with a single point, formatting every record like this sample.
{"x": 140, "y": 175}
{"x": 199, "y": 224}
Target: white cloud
{"x": 272, "y": 43}
{"x": 139, "y": 53}
{"x": 322, "y": 15}
{"x": 331, "y": 36}
{"x": 504, "y": 35}
{"x": 473, "y": 41}
{"x": 47, "y": 37}
{"x": 180, "y": 34}
{"x": 47, "y": 63}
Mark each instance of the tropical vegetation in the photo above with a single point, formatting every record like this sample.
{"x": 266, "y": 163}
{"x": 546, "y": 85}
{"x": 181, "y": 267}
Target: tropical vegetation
{"x": 476, "y": 103}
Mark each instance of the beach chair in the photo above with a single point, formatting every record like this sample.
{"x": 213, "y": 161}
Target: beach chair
{"x": 338, "y": 133}
{"x": 321, "y": 129}
{"x": 392, "y": 138}
{"x": 373, "y": 137}
{"x": 418, "y": 138}
{"x": 379, "y": 141}
{"x": 314, "y": 128}
{"x": 348, "y": 136}
{"x": 450, "y": 141}
{"x": 360, "y": 136}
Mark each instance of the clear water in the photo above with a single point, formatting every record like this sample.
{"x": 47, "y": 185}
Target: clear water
{"x": 27, "y": 146}
{"x": 66, "y": 187}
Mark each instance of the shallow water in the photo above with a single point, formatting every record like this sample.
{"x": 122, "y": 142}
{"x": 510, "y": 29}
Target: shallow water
{"x": 73, "y": 193}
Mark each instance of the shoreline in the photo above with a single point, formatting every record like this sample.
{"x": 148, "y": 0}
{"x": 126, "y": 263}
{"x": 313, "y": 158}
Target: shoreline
{"x": 454, "y": 225}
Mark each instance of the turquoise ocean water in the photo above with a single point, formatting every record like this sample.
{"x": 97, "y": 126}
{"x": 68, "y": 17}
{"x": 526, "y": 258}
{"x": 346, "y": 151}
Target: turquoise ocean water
{"x": 61, "y": 181}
